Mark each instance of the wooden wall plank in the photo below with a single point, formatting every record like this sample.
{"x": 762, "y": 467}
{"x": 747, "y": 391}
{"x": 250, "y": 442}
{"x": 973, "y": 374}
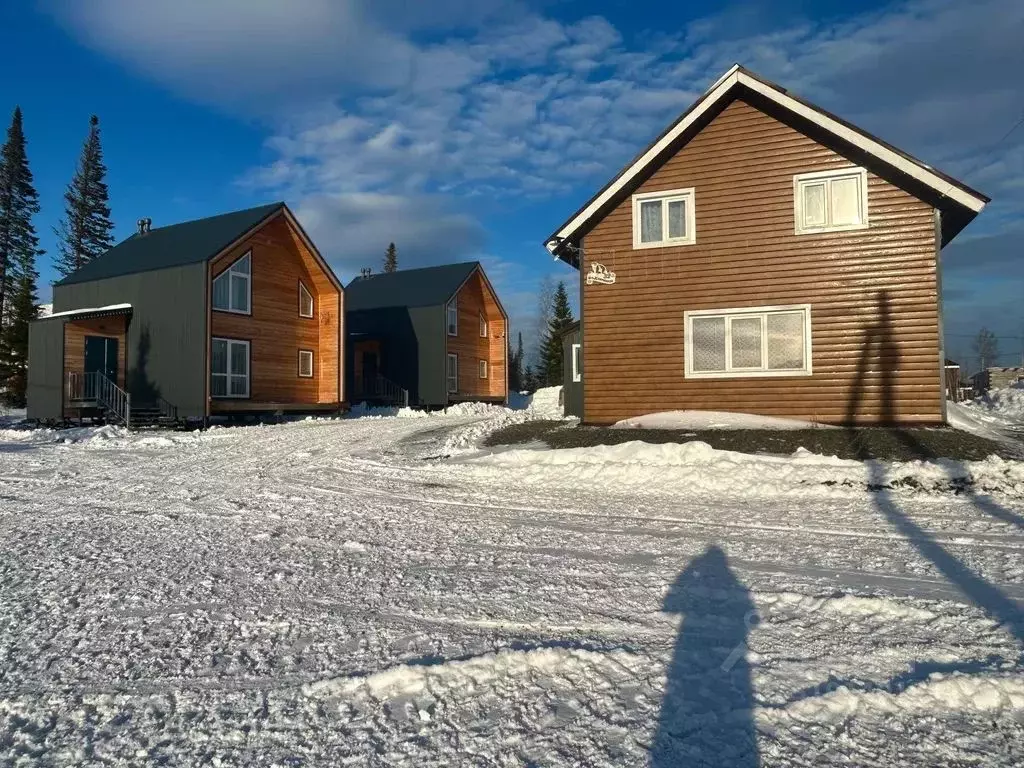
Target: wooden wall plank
{"x": 475, "y": 298}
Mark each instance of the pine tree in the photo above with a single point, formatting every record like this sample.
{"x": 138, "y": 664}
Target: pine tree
{"x": 550, "y": 373}
{"x": 515, "y": 366}
{"x": 391, "y": 259}
{"x": 85, "y": 231}
{"x": 529, "y": 380}
{"x": 19, "y": 247}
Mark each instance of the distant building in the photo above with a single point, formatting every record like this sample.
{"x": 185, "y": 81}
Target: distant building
{"x": 996, "y": 378}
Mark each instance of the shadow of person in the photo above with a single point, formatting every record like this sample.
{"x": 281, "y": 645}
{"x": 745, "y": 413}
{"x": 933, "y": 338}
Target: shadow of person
{"x": 707, "y": 716}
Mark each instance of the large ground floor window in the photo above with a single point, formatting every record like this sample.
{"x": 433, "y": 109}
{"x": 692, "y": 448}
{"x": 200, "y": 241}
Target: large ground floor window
{"x": 229, "y": 368}
{"x": 750, "y": 341}
{"x": 453, "y": 373}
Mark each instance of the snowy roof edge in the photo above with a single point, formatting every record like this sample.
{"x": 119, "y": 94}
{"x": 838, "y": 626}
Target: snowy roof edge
{"x": 111, "y": 308}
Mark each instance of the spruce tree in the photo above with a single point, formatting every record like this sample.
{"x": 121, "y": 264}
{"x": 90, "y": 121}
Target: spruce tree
{"x": 550, "y": 373}
{"x": 19, "y": 247}
{"x": 515, "y": 367}
{"x": 391, "y": 259}
{"x": 85, "y": 232}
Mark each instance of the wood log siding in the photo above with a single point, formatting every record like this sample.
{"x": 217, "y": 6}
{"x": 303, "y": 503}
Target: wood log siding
{"x": 75, "y": 331}
{"x": 275, "y": 330}
{"x": 747, "y": 254}
{"x": 475, "y": 297}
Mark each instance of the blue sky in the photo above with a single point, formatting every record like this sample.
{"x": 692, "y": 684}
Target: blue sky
{"x": 472, "y": 128}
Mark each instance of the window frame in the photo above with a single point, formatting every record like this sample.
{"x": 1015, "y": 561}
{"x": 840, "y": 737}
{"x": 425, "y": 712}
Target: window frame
{"x": 312, "y": 364}
{"x": 739, "y": 373}
{"x": 312, "y": 301}
{"x": 447, "y": 378}
{"x": 229, "y": 274}
{"x": 666, "y": 196}
{"x": 227, "y": 374}
{"x": 484, "y": 326}
{"x": 482, "y": 368}
{"x": 802, "y": 179}
{"x": 452, "y": 306}
{"x": 576, "y": 356}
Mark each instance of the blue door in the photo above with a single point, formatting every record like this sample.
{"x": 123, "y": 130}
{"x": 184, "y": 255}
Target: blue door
{"x": 100, "y": 357}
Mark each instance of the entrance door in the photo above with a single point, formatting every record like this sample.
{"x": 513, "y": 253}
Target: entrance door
{"x": 100, "y": 357}
{"x": 370, "y": 371}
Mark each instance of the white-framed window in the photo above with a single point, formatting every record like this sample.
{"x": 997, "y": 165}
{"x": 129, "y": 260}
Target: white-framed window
{"x": 577, "y": 369}
{"x": 483, "y": 369}
{"x": 452, "y": 317}
{"x": 305, "y": 301}
{"x": 232, "y": 288}
{"x": 664, "y": 218}
{"x": 749, "y": 341}
{"x": 831, "y": 201}
{"x": 306, "y": 363}
{"x": 452, "y": 373}
{"x": 483, "y": 326}
{"x": 229, "y": 368}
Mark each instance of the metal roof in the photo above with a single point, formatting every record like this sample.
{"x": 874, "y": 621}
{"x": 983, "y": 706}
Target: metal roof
{"x": 408, "y": 287}
{"x": 187, "y": 243}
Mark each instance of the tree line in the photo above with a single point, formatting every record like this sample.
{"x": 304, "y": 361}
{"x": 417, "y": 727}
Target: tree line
{"x": 555, "y": 318}
{"x": 84, "y": 232}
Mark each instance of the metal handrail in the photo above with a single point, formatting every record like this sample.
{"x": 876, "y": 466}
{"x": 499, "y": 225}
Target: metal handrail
{"x": 94, "y": 386}
{"x": 167, "y": 409}
{"x": 381, "y": 388}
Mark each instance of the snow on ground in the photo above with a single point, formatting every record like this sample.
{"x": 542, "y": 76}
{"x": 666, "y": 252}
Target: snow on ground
{"x": 1006, "y": 403}
{"x": 317, "y": 594}
{"x": 712, "y": 420}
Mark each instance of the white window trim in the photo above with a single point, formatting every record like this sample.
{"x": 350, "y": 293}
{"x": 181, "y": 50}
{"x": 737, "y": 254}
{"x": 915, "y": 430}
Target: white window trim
{"x": 447, "y": 378}
{"x": 248, "y": 286}
{"x": 227, "y": 375}
{"x": 453, "y": 304}
{"x": 483, "y": 326}
{"x": 689, "y": 195}
{"x": 483, "y": 369}
{"x": 312, "y": 302}
{"x": 308, "y": 353}
{"x": 688, "y": 317}
{"x": 577, "y": 374}
{"x": 798, "y": 199}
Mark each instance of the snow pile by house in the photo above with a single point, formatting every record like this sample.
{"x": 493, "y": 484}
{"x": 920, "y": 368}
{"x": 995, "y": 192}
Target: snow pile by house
{"x": 364, "y": 411}
{"x": 1006, "y": 403}
{"x": 696, "y": 468}
{"x": 543, "y": 404}
{"x": 712, "y": 420}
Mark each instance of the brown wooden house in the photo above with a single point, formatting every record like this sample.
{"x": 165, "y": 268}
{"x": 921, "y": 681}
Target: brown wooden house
{"x": 237, "y": 313}
{"x": 765, "y": 256}
{"x": 430, "y": 337}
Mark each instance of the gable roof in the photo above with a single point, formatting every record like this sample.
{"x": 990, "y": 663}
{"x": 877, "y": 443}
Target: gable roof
{"x": 947, "y": 193}
{"x": 189, "y": 242}
{"x": 422, "y": 287}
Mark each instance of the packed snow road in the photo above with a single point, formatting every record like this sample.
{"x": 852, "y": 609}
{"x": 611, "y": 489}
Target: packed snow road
{"x": 333, "y": 593}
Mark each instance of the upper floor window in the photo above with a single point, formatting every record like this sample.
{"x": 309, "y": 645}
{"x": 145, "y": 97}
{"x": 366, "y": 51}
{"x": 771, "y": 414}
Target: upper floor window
{"x": 452, "y": 316}
{"x": 831, "y": 201}
{"x": 305, "y": 301}
{"x": 483, "y": 327}
{"x": 663, "y": 218}
{"x": 232, "y": 288}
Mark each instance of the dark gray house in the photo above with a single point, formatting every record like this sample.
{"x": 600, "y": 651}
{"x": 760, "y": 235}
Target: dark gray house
{"x": 232, "y": 313}
{"x": 572, "y": 371}
{"x": 427, "y": 337}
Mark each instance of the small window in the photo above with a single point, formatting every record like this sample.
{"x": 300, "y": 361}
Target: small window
{"x": 757, "y": 341}
{"x": 831, "y": 201}
{"x": 663, "y": 218}
{"x": 483, "y": 369}
{"x": 452, "y": 313}
{"x": 305, "y": 301}
{"x": 483, "y": 327}
{"x": 306, "y": 363}
{"x": 232, "y": 288}
{"x": 577, "y": 369}
{"x": 453, "y": 373}
{"x": 229, "y": 368}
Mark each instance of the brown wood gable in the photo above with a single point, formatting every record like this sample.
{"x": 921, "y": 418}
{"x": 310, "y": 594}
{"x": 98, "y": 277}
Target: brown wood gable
{"x": 875, "y": 343}
{"x": 282, "y": 257}
{"x": 477, "y": 298}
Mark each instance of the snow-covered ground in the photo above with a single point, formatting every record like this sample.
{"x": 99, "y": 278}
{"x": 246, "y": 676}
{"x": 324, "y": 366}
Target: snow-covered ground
{"x": 329, "y": 592}
{"x": 713, "y": 420}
